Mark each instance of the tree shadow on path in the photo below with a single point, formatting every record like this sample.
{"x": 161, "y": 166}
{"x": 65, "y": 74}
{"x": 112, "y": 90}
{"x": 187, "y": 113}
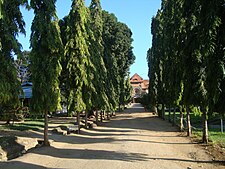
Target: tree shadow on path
{"x": 19, "y": 165}
{"x": 187, "y": 160}
{"x": 91, "y": 154}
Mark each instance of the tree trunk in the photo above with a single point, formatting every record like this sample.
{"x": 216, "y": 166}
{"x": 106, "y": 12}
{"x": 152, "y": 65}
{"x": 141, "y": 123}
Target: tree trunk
{"x": 188, "y": 122}
{"x": 181, "y": 120}
{"x": 101, "y": 115}
{"x": 159, "y": 111}
{"x": 119, "y": 108}
{"x": 205, "y": 136}
{"x": 86, "y": 117}
{"x": 221, "y": 124}
{"x": 108, "y": 117}
{"x": 96, "y": 113}
{"x": 46, "y": 142}
{"x": 163, "y": 111}
{"x": 174, "y": 116}
{"x": 67, "y": 108}
{"x": 78, "y": 122}
{"x": 155, "y": 110}
{"x": 169, "y": 116}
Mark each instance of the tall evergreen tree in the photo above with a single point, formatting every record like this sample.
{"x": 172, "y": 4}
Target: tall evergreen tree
{"x": 124, "y": 56}
{"x": 155, "y": 61}
{"x": 11, "y": 24}
{"x": 212, "y": 52}
{"x": 190, "y": 34}
{"x": 47, "y": 50}
{"x": 109, "y": 32}
{"x": 99, "y": 98}
{"x": 77, "y": 58}
{"x": 118, "y": 56}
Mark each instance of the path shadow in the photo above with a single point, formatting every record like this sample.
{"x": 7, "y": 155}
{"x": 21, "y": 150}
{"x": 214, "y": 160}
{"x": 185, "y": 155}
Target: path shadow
{"x": 151, "y": 123}
{"x": 81, "y": 139}
{"x": 155, "y": 142}
{"x": 98, "y": 133}
{"x": 190, "y": 161}
{"x": 91, "y": 154}
{"x": 110, "y": 130}
{"x": 20, "y": 165}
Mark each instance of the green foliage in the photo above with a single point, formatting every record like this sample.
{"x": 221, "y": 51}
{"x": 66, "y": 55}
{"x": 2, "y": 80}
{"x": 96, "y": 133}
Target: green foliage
{"x": 11, "y": 23}
{"x": 186, "y": 60}
{"x": 96, "y": 48}
{"x": 77, "y": 55}
{"x": 46, "y": 53}
{"x": 145, "y": 100}
{"x": 186, "y": 47}
{"x": 1, "y": 2}
{"x": 98, "y": 54}
{"x": 118, "y": 57}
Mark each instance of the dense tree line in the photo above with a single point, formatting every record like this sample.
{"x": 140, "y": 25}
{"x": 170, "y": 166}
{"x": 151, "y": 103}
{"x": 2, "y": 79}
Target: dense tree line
{"x": 83, "y": 59}
{"x": 186, "y": 60}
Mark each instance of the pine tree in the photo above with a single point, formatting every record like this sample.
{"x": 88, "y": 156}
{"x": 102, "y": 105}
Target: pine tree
{"x": 47, "y": 50}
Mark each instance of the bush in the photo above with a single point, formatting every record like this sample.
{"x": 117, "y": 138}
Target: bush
{"x": 17, "y": 114}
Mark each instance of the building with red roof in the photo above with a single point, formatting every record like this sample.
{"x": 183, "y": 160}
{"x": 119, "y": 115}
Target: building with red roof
{"x": 139, "y": 85}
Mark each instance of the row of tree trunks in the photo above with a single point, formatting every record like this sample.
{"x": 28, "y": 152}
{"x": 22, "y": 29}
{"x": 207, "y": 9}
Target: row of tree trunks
{"x": 188, "y": 121}
{"x": 102, "y": 114}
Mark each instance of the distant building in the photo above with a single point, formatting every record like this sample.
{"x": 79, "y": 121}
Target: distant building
{"x": 27, "y": 93}
{"x": 139, "y": 85}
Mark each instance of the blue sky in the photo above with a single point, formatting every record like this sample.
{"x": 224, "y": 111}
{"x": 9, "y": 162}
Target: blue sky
{"x": 136, "y": 14}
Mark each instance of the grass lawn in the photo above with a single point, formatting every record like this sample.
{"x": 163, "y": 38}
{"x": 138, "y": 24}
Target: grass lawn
{"x": 215, "y": 136}
{"x": 26, "y": 125}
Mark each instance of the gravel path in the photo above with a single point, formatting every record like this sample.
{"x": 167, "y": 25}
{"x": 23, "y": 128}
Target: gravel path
{"x": 132, "y": 140}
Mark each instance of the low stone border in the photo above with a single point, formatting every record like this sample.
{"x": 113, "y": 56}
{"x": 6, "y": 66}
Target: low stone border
{"x": 12, "y": 147}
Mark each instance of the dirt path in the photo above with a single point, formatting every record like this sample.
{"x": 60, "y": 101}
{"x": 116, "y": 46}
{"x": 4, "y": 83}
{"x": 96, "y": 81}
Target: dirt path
{"x": 132, "y": 140}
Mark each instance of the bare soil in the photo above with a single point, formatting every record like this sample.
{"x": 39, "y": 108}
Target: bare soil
{"x": 133, "y": 139}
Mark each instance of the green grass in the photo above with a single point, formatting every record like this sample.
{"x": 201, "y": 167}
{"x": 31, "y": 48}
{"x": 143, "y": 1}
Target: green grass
{"x": 216, "y": 137}
{"x": 26, "y": 125}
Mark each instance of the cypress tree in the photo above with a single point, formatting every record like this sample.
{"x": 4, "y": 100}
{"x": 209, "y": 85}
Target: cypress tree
{"x": 109, "y": 32}
{"x": 47, "y": 50}
{"x": 99, "y": 98}
{"x": 118, "y": 56}
{"x": 11, "y": 24}
{"x": 77, "y": 58}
